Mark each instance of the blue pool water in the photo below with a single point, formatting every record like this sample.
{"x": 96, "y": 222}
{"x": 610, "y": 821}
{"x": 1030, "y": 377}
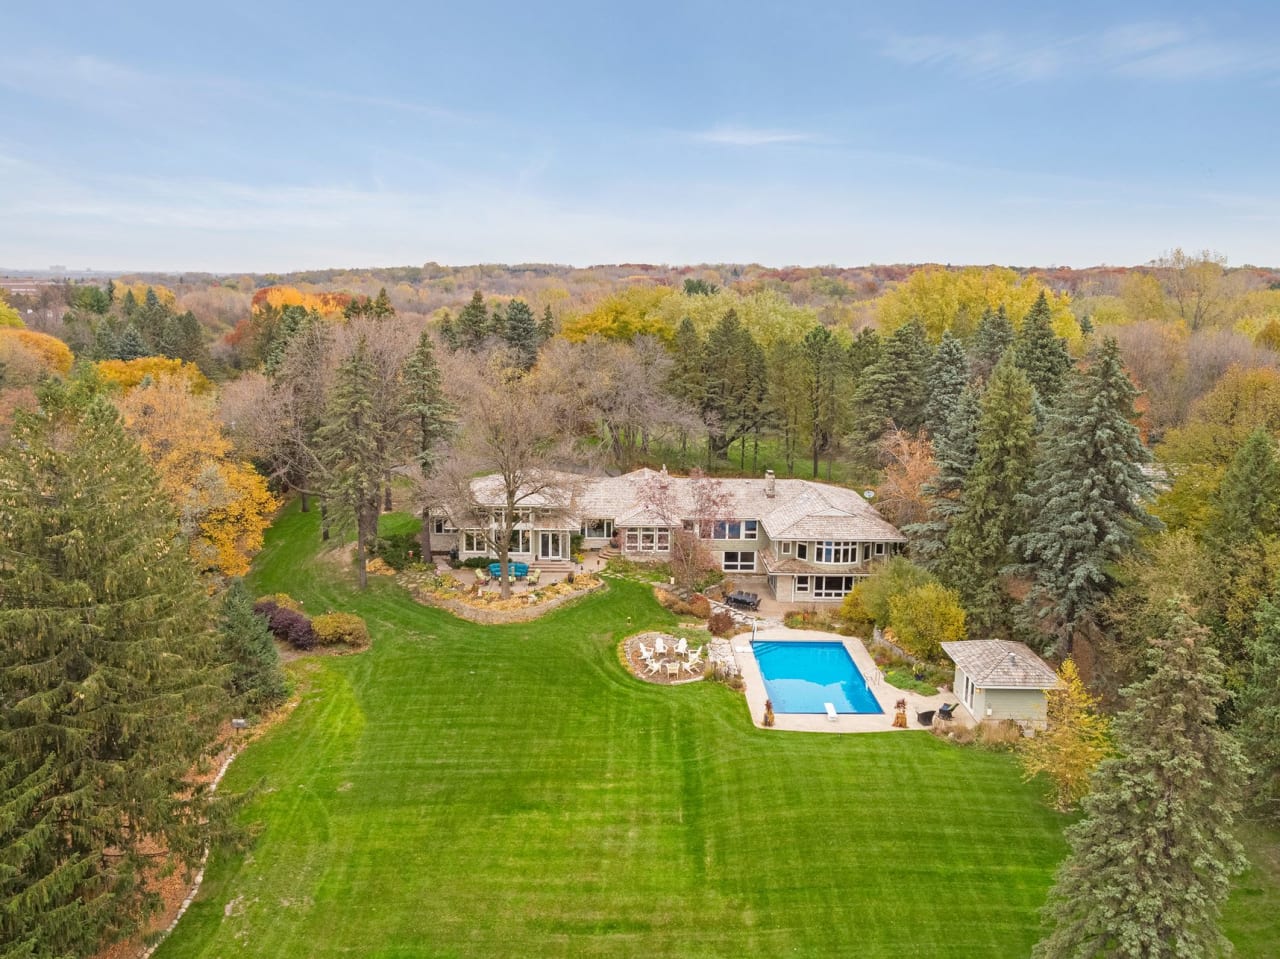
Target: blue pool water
{"x": 801, "y": 677}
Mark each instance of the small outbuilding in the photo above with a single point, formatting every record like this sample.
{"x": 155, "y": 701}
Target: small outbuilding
{"x": 999, "y": 679}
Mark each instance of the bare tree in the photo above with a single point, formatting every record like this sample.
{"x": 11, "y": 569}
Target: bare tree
{"x": 1195, "y": 284}
{"x": 691, "y": 507}
{"x": 512, "y": 427}
{"x": 908, "y": 466}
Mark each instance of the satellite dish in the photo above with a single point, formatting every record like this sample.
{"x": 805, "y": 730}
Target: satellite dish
{"x": 869, "y": 493}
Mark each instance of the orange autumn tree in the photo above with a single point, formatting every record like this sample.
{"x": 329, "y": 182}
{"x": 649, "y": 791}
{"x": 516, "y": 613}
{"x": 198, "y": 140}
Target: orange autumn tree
{"x": 28, "y": 355}
{"x": 224, "y": 504}
{"x": 128, "y": 374}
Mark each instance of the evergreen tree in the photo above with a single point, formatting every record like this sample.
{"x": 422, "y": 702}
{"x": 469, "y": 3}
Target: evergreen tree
{"x": 497, "y": 329}
{"x": 955, "y": 451}
{"x": 1040, "y": 353}
{"x": 111, "y": 291}
{"x": 893, "y": 389}
{"x": 131, "y": 345}
{"x": 687, "y": 381}
{"x": 992, "y": 509}
{"x": 430, "y": 417}
{"x": 547, "y": 325}
{"x": 381, "y": 306}
{"x": 471, "y": 328}
{"x": 820, "y": 366}
{"x": 1246, "y": 506}
{"x": 863, "y": 351}
{"x": 256, "y": 681}
{"x": 734, "y": 395}
{"x": 1259, "y": 712}
{"x": 1086, "y": 504}
{"x": 990, "y": 341}
{"x": 948, "y": 376}
{"x": 1152, "y": 860}
{"x": 129, "y": 305}
{"x": 351, "y": 451}
{"x": 521, "y": 333}
{"x": 182, "y": 338}
{"x": 109, "y": 685}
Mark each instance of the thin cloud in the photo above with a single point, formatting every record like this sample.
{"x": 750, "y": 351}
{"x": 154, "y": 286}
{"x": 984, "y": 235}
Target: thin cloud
{"x": 736, "y": 136}
{"x": 1152, "y": 50}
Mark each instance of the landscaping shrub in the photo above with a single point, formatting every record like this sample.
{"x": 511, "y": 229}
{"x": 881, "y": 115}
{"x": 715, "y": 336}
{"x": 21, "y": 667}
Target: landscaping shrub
{"x": 1002, "y": 734}
{"x": 475, "y": 562}
{"x": 868, "y": 603}
{"x": 283, "y": 600}
{"x": 700, "y": 606}
{"x": 397, "y": 550}
{"x": 347, "y": 628}
{"x": 925, "y": 617}
{"x": 287, "y": 625}
{"x": 721, "y": 624}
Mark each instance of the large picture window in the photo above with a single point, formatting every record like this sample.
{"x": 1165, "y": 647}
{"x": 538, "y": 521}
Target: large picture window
{"x": 735, "y": 529}
{"x": 739, "y": 562}
{"x": 835, "y": 552}
{"x": 648, "y": 539}
{"x": 473, "y": 541}
{"x": 831, "y": 587}
{"x": 597, "y": 528}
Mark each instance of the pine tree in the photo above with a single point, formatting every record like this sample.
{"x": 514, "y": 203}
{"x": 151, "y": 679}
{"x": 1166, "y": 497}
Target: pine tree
{"x": 893, "y": 389}
{"x": 471, "y": 328}
{"x": 256, "y": 681}
{"x": 1259, "y": 712}
{"x": 948, "y": 376}
{"x": 109, "y": 683}
{"x": 820, "y": 366}
{"x": 521, "y": 333}
{"x": 1041, "y": 353}
{"x": 955, "y": 451}
{"x": 547, "y": 325}
{"x": 734, "y": 394}
{"x": 430, "y": 417}
{"x": 350, "y": 451}
{"x": 1152, "y": 860}
{"x": 992, "y": 510}
{"x": 381, "y": 306}
{"x": 1246, "y": 506}
{"x": 1086, "y": 504}
{"x": 990, "y": 341}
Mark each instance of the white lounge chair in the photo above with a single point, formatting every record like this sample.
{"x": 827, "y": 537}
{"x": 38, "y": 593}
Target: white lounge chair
{"x": 654, "y": 666}
{"x": 694, "y": 663}
{"x": 659, "y": 646}
{"x": 682, "y": 647}
{"x": 645, "y": 652}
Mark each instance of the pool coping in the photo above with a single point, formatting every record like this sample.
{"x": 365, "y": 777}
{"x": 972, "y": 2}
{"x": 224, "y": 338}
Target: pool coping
{"x": 883, "y": 693}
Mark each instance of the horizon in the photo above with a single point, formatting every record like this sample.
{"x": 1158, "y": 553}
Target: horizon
{"x": 668, "y": 135}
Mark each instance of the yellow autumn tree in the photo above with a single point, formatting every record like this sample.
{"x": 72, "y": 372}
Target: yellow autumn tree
{"x": 622, "y": 316}
{"x": 128, "y": 374}
{"x": 139, "y": 290}
{"x": 224, "y": 505}
{"x": 28, "y": 355}
{"x": 955, "y": 300}
{"x": 1073, "y": 743}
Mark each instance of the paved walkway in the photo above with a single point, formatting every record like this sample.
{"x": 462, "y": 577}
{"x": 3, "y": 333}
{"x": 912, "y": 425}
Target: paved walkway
{"x": 885, "y": 694}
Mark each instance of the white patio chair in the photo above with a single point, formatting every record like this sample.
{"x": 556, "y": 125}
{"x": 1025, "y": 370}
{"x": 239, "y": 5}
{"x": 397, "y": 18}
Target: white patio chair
{"x": 645, "y": 652}
{"x": 654, "y": 666}
{"x": 693, "y": 664}
{"x": 682, "y": 647}
{"x": 659, "y": 646}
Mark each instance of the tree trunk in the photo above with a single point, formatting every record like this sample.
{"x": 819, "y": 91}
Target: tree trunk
{"x": 306, "y": 502}
{"x": 324, "y": 522}
{"x": 361, "y": 535}
{"x": 424, "y": 538}
{"x": 386, "y": 493}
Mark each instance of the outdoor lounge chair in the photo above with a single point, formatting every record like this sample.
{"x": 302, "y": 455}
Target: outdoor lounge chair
{"x": 947, "y": 710}
{"x": 925, "y": 717}
{"x": 482, "y": 576}
{"x": 654, "y": 665}
{"x": 660, "y": 647}
{"x": 682, "y": 647}
{"x": 693, "y": 664}
{"x": 534, "y": 575}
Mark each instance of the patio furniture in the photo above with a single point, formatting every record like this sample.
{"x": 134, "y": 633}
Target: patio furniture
{"x": 659, "y": 646}
{"x": 673, "y": 668}
{"x": 515, "y": 570}
{"x": 924, "y": 717}
{"x": 693, "y": 664}
{"x": 534, "y": 575}
{"x": 682, "y": 647}
{"x": 646, "y": 653}
{"x": 743, "y": 600}
{"x": 482, "y": 576}
{"x": 654, "y": 666}
{"x": 947, "y": 710}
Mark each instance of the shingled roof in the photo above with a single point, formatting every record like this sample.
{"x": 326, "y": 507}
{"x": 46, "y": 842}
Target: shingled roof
{"x": 1001, "y": 664}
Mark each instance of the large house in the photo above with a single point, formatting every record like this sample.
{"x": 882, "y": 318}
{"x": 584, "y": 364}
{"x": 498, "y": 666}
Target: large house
{"x": 811, "y": 541}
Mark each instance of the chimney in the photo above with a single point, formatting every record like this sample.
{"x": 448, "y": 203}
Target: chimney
{"x": 769, "y": 490}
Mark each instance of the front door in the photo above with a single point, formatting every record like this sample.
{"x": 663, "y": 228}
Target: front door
{"x": 549, "y": 545}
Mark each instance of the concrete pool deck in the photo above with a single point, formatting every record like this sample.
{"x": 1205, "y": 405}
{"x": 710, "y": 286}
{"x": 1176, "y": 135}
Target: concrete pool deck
{"x": 884, "y": 694}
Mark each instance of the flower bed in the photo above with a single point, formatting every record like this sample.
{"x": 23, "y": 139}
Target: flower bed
{"x": 487, "y": 605}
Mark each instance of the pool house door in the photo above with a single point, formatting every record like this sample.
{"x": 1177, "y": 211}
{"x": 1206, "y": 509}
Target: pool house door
{"x": 551, "y": 545}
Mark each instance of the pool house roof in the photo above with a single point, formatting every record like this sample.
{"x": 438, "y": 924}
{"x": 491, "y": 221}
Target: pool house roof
{"x": 1001, "y": 664}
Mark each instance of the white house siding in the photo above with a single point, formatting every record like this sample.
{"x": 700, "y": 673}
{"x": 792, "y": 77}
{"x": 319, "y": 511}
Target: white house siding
{"x": 1024, "y": 705}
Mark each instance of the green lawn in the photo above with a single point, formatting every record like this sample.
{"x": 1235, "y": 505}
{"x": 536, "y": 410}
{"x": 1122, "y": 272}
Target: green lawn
{"x": 469, "y": 791}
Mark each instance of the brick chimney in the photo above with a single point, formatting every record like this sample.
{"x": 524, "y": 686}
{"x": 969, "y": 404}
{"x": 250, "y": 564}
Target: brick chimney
{"x": 769, "y": 489}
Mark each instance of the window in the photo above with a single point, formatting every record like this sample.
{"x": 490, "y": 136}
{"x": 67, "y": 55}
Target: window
{"x": 597, "y": 528}
{"x": 648, "y": 539}
{"x": 473, "y": 541}
{"x": 802, "y": 584}
{"x": 735, "y": 529}
{"x": 739, "y": 562}
{"x": 802, "y": 550}
{"x": 442, "y": 525}
{"x": 836, "y": 552}
{"x": 521, "y": 541}
{"x": 749, "y": 528}
{"x": 879, "y": 549}
{"x": 785, "y": 548}
{"x": 831, "y": 587}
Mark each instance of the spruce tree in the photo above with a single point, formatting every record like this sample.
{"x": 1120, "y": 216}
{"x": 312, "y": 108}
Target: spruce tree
{"x": 110, "y": 690}
{"x": 734, "y": 394}
{"x": 1246, "y": 505}
{"x": 893, "y": 389}
{"x": 1041, "y": 353}
{"x": 255, "y": 682}
{"x": 351, "y": 450}
{"x": 955, "y": 451}
{"x": 990, "y": 341}
{"x": 471, "y": 328}
{"x": 1086, "y": 504}
{"x": 1259, "y": 712}
{"x": 992, "y": 509}
{"x": 131, "y": 345}
{"x": 1152, "y": 860}
{"x": 948, "y": 376}
{"x": 820, "y": 366}
{"x": 430, "y": 418}
{"x": 381, "y": 306}
{"x": 521, "y": 333}
{"x": 547, "y": 325}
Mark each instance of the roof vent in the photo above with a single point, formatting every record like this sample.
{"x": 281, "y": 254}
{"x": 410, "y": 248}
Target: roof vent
{"x": 769, "y": 484}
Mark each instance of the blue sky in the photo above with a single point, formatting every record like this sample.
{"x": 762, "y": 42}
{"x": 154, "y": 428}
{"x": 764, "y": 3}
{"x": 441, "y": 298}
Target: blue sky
{"x": 257, "y": 137}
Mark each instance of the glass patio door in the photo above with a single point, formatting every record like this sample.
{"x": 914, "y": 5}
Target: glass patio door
{"x": 549, "y": 545}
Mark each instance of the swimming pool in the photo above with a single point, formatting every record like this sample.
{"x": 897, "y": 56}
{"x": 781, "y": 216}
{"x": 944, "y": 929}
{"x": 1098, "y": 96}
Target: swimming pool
{"x": 803, "y": 677}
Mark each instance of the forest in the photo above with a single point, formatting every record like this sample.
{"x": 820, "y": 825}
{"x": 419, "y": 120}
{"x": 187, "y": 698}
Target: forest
{"x": 1083, "y": 460}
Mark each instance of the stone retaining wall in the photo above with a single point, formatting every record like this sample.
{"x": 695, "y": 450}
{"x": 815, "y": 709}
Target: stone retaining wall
{"x": 499, "y": 617}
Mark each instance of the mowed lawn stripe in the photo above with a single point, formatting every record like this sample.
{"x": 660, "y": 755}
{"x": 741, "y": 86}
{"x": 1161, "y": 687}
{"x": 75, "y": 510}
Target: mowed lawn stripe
{"x": 469, "y": 791}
